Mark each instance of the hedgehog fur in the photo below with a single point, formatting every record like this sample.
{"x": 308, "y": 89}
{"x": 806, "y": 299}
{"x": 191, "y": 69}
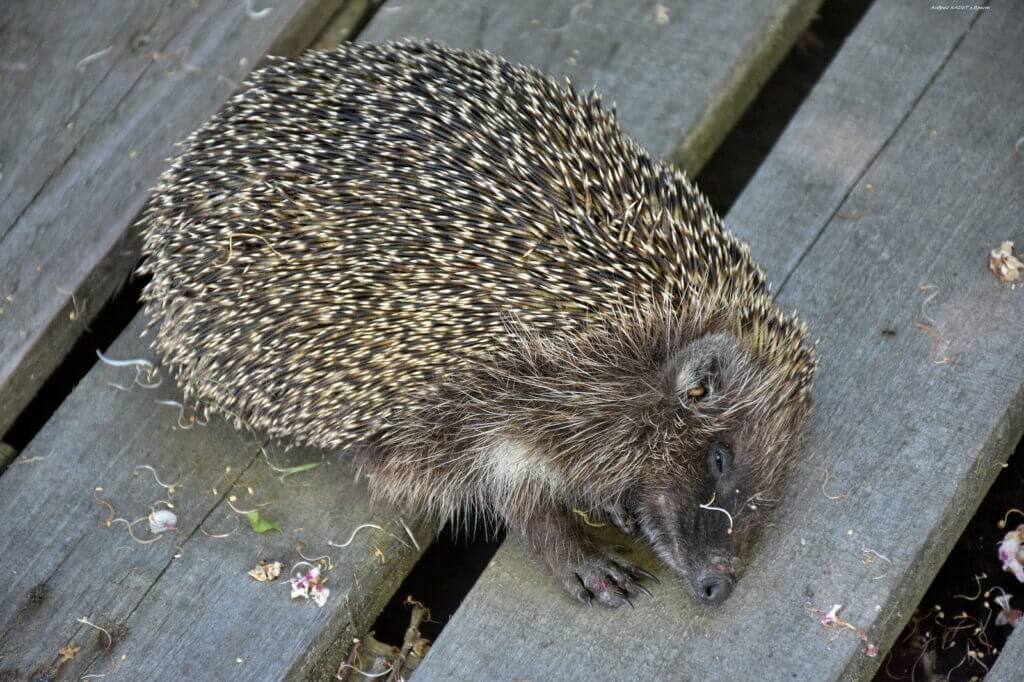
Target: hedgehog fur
{"x": 471, "y": 267}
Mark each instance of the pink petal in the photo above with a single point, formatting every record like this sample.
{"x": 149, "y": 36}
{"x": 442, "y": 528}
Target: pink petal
{"x": 832, "y": 617}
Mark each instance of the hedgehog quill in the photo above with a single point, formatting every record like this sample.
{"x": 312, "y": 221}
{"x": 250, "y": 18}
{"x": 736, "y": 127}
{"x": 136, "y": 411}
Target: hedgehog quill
{"x": 469, "y": 273}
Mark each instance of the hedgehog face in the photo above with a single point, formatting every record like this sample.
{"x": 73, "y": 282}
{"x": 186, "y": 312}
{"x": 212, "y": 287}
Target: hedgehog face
{"x": 729, "y": 444}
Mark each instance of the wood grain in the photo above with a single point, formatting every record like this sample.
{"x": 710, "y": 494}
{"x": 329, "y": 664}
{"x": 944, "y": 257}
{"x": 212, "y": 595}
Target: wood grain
{"x": 185, "y": 603}
{"x": 680, "y": 72}
{"x": 910, "y": 445}
{"x": 93, "y": 96}
{"x": 183, "y": 607}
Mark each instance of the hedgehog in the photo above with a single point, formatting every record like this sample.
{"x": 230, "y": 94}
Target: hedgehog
{"x": 468, "y": 275}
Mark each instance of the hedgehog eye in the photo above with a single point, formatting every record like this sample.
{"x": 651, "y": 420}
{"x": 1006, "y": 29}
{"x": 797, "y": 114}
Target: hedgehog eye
{"x": 719, "y": 460}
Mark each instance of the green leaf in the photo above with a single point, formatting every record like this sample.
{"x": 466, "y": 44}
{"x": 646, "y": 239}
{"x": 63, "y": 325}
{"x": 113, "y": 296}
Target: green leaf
{"x": 288, "y": 471}
{"x": 260, "y": 524}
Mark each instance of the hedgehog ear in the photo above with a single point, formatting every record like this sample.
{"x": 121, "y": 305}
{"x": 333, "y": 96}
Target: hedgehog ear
{"x": 699, "y": 372}
{"x": 699, "y": 379}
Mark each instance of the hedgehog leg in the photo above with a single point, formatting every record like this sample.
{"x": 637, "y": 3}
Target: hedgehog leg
{"x": 583, "y": 570}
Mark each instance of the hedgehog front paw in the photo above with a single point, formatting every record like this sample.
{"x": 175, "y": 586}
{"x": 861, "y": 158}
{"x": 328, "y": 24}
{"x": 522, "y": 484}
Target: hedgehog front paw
{"x": 583, "y": 570}
{"x": 593, "y": 576}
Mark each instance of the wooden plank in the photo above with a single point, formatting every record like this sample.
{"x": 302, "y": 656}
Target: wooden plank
{"x": 185, "y": 603}
{"x": 910, "y": 445}
{"x": 710, "y": 58}
{"x": 348, "y": 22}
{"x": 183, "y": 606}
{"x": 1010, "y": 663}
{"x": 870, "y": 87}
{"x": 92, "y": 98}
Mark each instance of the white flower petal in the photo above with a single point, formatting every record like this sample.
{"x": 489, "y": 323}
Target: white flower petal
{"x": 319, "y": 595}
{"x": 161, "y": 521}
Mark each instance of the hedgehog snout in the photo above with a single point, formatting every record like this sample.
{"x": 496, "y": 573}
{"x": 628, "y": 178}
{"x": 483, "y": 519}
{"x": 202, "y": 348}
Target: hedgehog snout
{"x": 713, "y": 582}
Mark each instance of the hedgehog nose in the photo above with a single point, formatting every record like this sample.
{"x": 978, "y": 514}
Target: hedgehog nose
{"x": 714, "y": 589}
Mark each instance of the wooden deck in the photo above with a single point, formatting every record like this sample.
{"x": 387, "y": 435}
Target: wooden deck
{"x": 860, "y": 214}
{"x": 93, "y": 99}
{"x": 873, "y": 215}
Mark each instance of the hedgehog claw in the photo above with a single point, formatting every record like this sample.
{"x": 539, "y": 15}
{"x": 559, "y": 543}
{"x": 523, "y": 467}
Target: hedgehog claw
{"x": 646, "y": 574}
{"x": 643, "y": 589}
{"x": 621, "y": 594}
{"x": 594, "y": 577}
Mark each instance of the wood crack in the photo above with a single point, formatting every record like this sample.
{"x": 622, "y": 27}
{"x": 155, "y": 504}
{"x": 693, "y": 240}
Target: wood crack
{"x": 870, "y": 162}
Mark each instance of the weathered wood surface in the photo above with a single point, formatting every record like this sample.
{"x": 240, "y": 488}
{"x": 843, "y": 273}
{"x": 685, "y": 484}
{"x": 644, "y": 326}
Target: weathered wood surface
{"x": 901, "y": 200}
{"x": 187, "y": 606}
{"x": 348, "y": 22}
{"x": 93, "y": 96}
{"x": 185, "y": 603}
{"x": 681, "y": 72}
{"x": 1009, "y": 667}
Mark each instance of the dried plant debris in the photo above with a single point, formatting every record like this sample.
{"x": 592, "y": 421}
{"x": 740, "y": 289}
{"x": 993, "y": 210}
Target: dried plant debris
{"x": 370, "y": 658}
{"x": 586, "y": 518}
{"x": 108, "y": 636}
{"x": 111, "y": 514}
{"x": 930, "y": 327}
{"x": 309, "y": 583}
{"x": 160, "y": 518}
{"x": 831, "y": 619}
{"x": 1007, "y": 615}
{"x": 1004, "y": 265}
{"x": 376, "y": 527}
{"x": 937, "y": 643}
{"x": 147, "y": 375}
{"x": 67, "y": 652}
{"x": 871, "y": 556}
{"x": 409, "y": 533}
{"x": 413, "y": 644}
{"x": 266, "y": 571}
{"x": 171, "y": 488}
{"x": 824, "y": 484}
{"x": 1011, "y": 554}
{"x": 970, "y": 610}
{"x": 255, "y": 14}
{"x": 709, "y": 506}
{"x": 135, "y": 538}
{"x": 92, "y": 57}
{"x": 184, "y": 422}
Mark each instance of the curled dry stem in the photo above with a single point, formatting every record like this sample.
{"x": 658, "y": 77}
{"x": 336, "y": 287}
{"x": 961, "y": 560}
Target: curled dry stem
{"x": 719, "y": 509}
